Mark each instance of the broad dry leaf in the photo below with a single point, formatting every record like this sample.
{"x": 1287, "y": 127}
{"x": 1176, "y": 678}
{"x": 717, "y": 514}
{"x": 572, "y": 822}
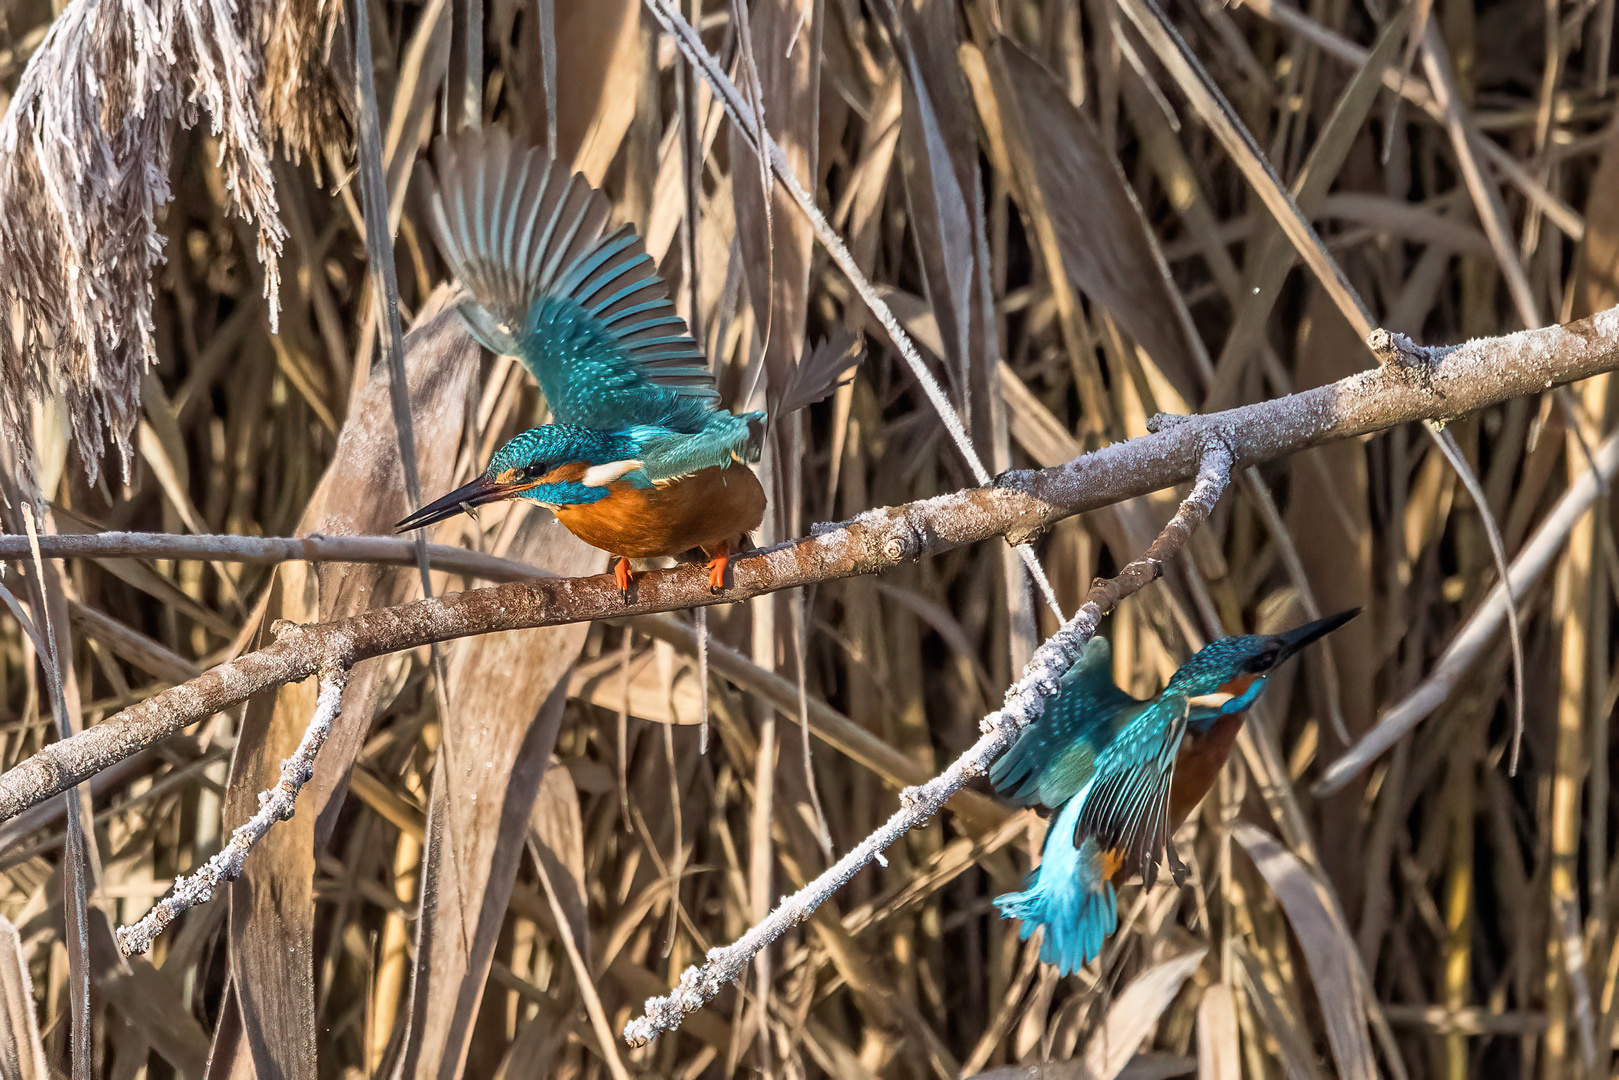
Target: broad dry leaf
{"x": 1329, "y": 522}
{"x": 1328, "y": 947}
{"x": 536, "y": 1044}
{"x": 1069, "y": 182}
{"x": 1134, "y": 1013}
{"x": 818, "y": 373}
{"x": 599, "y": 67}
{"x": 505, "y": 706}
{"x": 1218, "y": 1055}
{"x": 272, "y": 905}
{"x": 940, "y": 164}
{"x": 776, "y": 246}
{"x": 153, "y": 1002}
{"x": 648, "y": 696}
{"x": 1292, "y": 1041}
{"x": 1111, "y": 1052}
{"x": 557, "y": 837}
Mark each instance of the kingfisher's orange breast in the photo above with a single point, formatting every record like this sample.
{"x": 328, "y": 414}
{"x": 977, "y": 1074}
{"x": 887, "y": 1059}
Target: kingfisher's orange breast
{"x": 1202, "y": 756}
{"x": 702, "y": 510}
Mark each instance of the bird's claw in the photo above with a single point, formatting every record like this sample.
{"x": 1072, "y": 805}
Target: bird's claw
{"x": 621, "y": 574}
{"x": 1177, "y": 869}
{"x": 716, "y": 570}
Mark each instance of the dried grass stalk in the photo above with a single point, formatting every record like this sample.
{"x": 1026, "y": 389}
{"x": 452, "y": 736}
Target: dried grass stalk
{"x": 84, "y": 168}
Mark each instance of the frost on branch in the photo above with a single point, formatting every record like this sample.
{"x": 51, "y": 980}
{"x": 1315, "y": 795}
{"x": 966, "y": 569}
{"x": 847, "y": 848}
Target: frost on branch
{"x": 275, "y": 805}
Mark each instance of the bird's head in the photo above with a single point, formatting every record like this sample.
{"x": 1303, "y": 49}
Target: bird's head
{"x": 554, "y": 465}
{"x": 1227, "y": 676}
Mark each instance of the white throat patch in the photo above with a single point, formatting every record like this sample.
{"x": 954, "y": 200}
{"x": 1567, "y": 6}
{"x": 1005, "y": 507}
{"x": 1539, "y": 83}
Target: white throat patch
{"x": 602, "y": 475}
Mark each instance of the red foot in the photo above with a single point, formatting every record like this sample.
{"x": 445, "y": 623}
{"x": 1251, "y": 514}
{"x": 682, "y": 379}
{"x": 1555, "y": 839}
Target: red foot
{"x": 717, "y": 562}
{"x": 621, "y": 574}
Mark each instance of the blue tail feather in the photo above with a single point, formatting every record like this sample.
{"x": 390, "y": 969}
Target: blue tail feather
{"x": 1067, "y": 896}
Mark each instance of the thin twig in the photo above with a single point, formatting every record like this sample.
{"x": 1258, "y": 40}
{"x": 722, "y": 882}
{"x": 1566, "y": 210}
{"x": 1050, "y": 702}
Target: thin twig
{"x": 275, "y": 805}
{"x": 1498, "y": 551}
{"x": 270, "y": 551}
{"x": 1024, "y": 704}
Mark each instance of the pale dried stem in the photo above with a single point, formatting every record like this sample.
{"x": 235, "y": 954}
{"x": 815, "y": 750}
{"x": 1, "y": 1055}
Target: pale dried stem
{"x": 1481, "y": 627}
{"x": 275, "y": 805}
{"x": 1024, "y": 704}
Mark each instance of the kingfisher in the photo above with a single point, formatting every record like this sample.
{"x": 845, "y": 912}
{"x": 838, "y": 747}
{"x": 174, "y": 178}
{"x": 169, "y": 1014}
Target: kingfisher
{"x": 639, "y": 459}
{"x": 1118, "y": 771}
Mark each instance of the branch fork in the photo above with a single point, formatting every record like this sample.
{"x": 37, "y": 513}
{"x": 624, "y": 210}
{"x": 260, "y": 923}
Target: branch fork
{"x": 1025, "y": 703}
{"x": 1401, "y": 356}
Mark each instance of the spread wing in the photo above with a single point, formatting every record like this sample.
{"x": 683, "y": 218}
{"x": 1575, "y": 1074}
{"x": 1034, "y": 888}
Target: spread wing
{"x": 1056, "y": 756}
{"x": 1127, "y": 806}
{"x": 582, "y": 307}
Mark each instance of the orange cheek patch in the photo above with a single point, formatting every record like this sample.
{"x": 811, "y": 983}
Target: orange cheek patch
{"x": 1238, "y": 686}
{"x": 573, "y": 470}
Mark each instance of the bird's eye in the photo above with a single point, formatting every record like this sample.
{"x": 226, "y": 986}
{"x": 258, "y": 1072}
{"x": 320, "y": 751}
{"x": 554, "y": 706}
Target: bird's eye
{"x": 537, "y": 470}
{"x": 1264, "y": 661}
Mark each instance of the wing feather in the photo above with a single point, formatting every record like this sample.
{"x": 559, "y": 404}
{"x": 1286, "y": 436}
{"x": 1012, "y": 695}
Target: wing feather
{"x": 581, "y": 305}
{"x": 1127, "y": 807}
{"x": 1056, "y": 756}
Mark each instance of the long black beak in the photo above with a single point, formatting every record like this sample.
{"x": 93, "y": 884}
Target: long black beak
{"x": 1294, "y": 640}
{"x": 480, "y": 491}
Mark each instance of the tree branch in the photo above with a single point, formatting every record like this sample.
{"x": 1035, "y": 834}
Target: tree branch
{"x": 1025, "y": 702}
{"x": 1433, "y": 385}
{"x": 275, "y": 805}
{"x": 269, "y": 551}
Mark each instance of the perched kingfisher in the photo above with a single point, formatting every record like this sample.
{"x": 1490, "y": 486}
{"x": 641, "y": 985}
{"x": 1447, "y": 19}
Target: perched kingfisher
{"x": 1121, "y": 772}
{"x": 639, "y": 459}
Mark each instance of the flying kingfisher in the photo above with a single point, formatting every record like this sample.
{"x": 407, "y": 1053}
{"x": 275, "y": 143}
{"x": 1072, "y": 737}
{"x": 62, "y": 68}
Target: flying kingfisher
{"x": 639, "y": 459}
{"x": 1121, "y": 773}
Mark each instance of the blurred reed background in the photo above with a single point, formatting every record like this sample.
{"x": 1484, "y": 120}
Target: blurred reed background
{"x": 1027, "y": 182}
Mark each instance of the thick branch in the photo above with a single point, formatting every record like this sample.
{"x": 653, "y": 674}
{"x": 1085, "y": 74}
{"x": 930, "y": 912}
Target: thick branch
{"x": 1025, "y": 702}
{"x": 1440, "y": 385}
